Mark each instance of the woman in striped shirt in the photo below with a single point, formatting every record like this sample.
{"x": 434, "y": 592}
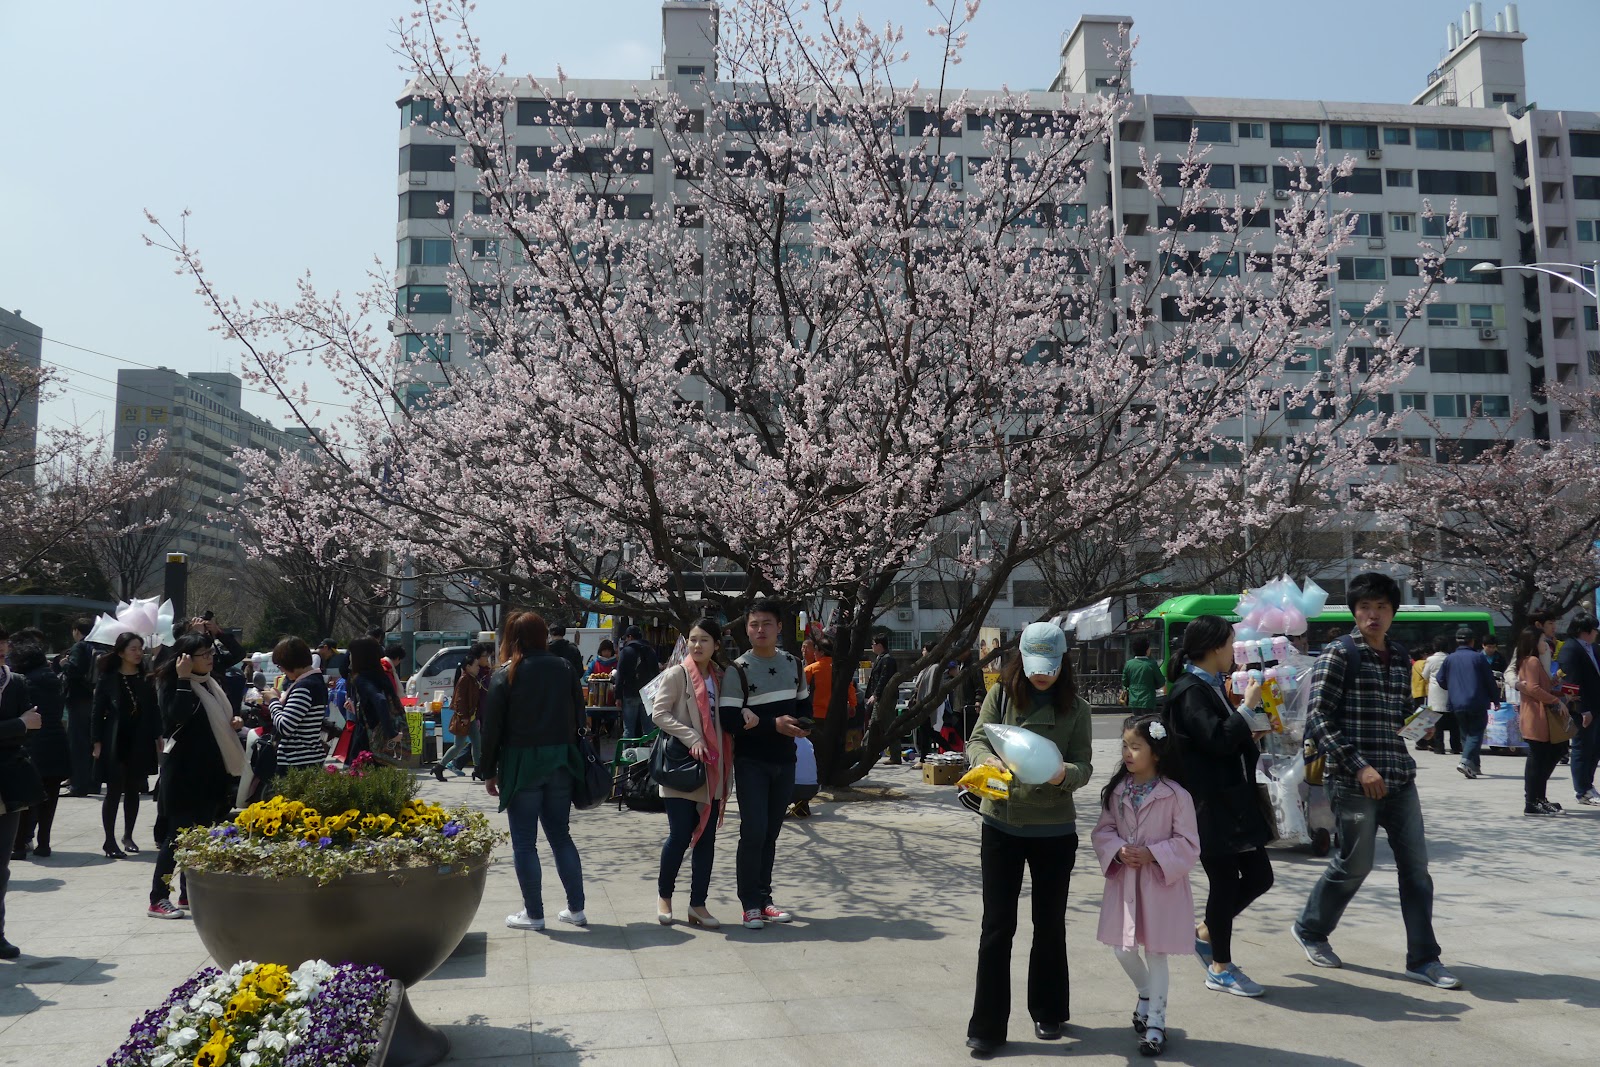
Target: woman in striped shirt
{"x": 297, "y": 717}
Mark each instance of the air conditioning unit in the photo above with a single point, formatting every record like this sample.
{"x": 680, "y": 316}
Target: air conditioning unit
{"x": 1374, "y": 242}
{"x": 1381, "y": 329}
{"x": 1374, "y": 153}
{"x": 1280, "y": 194}
{"x": 904, "y": 615}
{"x": 957, "y": 186}
{"x": 1487, "y": 333}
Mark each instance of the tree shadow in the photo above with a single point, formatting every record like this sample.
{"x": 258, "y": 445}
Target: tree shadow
{"x": 475, "y": 1039}
{"x": 34, "y": 885}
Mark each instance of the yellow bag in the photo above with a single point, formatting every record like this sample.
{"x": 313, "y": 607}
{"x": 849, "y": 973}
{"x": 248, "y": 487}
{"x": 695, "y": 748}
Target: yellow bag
{"x": 987, "y": 781}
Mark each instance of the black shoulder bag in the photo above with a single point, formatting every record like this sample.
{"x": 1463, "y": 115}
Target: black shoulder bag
{"x": 673, "y": 766}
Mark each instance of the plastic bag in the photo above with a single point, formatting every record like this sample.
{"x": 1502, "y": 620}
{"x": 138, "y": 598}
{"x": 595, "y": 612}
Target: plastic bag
{"x": 1287, "y": 814}
{"x": 1033, "y": 758}
{"x": 987, "y": 781}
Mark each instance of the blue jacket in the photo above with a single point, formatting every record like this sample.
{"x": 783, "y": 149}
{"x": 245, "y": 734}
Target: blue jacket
{"x": 1469, "y": 680}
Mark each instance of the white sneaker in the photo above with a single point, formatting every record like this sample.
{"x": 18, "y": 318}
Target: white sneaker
{"x": 521, "y": 921}
{"x": 1590, "y": 798}
{"x": 576, "y": 918}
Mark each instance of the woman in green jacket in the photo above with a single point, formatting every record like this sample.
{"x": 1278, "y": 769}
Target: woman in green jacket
{"x": 1036, "y": 827}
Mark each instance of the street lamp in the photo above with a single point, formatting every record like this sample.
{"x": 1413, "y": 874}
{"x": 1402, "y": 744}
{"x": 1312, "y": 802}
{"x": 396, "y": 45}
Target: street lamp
{"x": 1548, "y": 268}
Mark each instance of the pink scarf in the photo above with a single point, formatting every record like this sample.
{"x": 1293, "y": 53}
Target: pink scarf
{"x": 719, "y": 769}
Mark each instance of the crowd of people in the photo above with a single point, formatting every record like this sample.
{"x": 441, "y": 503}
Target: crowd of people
{"x": 1183, "y": 794}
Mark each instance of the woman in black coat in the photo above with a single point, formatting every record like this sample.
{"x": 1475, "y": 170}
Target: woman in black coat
{"x": 20, "y": 788}
{"x": 1217, "y": 744}
{"x": 127, "y": 738}
{"x": 47, "y": 746}
{"x": 206, "y": 756}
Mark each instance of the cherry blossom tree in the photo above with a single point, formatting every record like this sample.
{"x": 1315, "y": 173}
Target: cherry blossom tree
{"x": 874, "y": 324}
{"x": 59, "y": 491}
{"x": 1514, "y": 518}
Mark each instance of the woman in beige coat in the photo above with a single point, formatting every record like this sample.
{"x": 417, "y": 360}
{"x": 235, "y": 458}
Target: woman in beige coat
{"x": 685, "y": 707}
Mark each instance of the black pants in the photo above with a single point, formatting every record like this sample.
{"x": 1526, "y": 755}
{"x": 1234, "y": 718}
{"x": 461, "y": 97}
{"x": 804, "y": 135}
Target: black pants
{"x": 1541, "y": 763}
{"x": 682, "y": 818}
{"x": 765, "y": 791}
{"x": 1235, "y": 882}
{"x": 1447, "y": 724}
{"x": 122, "y": 787}
{"x": 1049, "y": 862}
{"x": 40, "y": 817}
{"x": 8, "y": 832}
{"x": 80, "y": 747}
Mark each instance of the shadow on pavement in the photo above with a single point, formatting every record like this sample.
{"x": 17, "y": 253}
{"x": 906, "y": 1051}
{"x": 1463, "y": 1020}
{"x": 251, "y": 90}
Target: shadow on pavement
{"x": 1199, "y": 1053}
{"x": 16, "y": 998}
{"x": 34, "y": 885}
{"x": 1324, "y": 995}
{"x": 1512, "y": 987}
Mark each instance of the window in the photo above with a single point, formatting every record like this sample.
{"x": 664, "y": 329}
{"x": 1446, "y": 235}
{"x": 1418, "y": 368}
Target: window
{"x": 1401, "y": 222}
{"x": 1461, "y": 271}
{"x": 427, "y": 157}
{"x": 427, "y": 205}
{"x": 1361, "y": 269}
{"x": 1206, "y": 131}
{"x": 1444, "y": 314}
{"x": 480, "y": 204}
{"x": 1503, "y": 98}
{"x": 596, "y": 114}
{"x": 1585, "y": 144}
{"x": 1589, "y": 229}
{"x": 1485, "y": 314}
{"x": 1457, "y": 183}
{"x": 1201, "y": 221}
{"x": 1250, "y": 131}
{"x": 1220, "y": 176}
{"x": 1396, "y": 135}
{"x": 422, "y": 300}
{"x": 1477, "y": 227}
{"x": 427, "y": 252}
{"x": 1398, "y": 179}
{"x": 1252, "y": 172}
{"x": 486, "y": 248}
{"x": 1585, "y": 187}
{"x": 1366, "y": 223}
{"x": 1356, "y": 311}
{"x": 923, "y": 122}
{"x": 1468, "y": 361}
{"x": 1413, "y": 401}
{"x": 1445, "y": 139}
{"x": 430, "y": 347}
{"x": 591, "y": 160}
{"x": 1402, "y": 267}
{"x": 1344, "y": 136}
{"x": 421, "y": 111}
{"x": 691, "y": 71}
{"x": 1470, "y": 405}
{"x": 1360, "y": 180}
{"x": 1295, "y": 134}
{"x": 1591, "y": 319}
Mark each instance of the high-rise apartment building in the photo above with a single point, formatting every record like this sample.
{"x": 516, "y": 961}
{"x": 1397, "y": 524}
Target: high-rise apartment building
{"x": 25, "y": 340}
{"x": 1527, "y": 179}
{"x": 203, "y": 418}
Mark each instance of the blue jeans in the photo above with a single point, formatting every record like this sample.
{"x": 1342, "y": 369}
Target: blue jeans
{"x": 470, "y": 740}
{"x": 1471, "y": 724}
{"x": 765, "y": 791}
{"x": 682, "y": 818}
{"x": 1585, "y": 750}
{"x": 550, "y": 804}
{"x": 635, "y": 723}
{"x": 1359, "y": 816}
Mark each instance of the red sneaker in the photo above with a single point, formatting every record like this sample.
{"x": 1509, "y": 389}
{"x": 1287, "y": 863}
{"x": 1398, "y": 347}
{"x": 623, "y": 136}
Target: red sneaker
{"x": 774, "y": 914}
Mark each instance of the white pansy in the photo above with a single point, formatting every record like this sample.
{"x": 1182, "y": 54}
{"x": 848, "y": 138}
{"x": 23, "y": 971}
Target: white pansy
{"x": 271, "y": 1039}
{"x": 161, "y": 1059}
{"x": 249, "y": 1059}
{"x": 184, "y": 1037}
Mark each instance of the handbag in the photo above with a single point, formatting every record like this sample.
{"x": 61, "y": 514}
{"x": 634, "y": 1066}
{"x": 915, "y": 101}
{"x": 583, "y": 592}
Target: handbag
{"x": 1559, "y": 725}
{"x": 594, "y": 788}
{"x": 20, "y": 784}
{"x": 672, "y": 765}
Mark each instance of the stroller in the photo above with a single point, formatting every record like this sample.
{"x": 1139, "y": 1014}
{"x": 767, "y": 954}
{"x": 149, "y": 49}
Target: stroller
{"x": 631, "y": 784}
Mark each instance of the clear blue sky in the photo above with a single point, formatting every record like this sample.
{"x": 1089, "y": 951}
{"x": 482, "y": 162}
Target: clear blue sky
{"x": 275, "y": 124}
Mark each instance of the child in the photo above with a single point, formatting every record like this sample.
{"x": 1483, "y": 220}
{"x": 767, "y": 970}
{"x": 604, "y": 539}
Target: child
{"x": 1147, "y": 842}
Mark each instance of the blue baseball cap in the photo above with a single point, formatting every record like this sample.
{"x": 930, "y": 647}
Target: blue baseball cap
{"x": 1042, "y": 646}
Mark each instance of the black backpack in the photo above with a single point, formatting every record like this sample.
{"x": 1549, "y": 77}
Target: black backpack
{"x": 645, "y": 666}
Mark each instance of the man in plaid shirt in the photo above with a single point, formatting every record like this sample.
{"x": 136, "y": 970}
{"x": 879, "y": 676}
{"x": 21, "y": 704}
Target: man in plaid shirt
{"x": 1360, "y": 697}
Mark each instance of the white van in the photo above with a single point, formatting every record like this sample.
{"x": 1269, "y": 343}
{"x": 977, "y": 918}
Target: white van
{"x": 437, "y": 677}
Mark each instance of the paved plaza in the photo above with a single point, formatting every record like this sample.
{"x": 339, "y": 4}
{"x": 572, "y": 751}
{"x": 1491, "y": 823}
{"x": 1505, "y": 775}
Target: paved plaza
{"x": 878, "y": 967}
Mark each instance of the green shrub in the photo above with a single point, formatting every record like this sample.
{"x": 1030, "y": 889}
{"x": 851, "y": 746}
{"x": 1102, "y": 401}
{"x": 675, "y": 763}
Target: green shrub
{"x": 371, "y": 789}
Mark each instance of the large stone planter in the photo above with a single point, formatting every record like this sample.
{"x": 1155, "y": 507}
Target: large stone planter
{"x": 407, "y": 922}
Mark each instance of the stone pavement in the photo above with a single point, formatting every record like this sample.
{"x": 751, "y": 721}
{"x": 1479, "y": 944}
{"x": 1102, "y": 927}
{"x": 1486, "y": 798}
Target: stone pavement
{"x": 878, "y": 968}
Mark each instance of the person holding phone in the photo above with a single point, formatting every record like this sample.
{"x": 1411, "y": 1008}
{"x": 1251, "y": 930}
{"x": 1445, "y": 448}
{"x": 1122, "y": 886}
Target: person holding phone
{"x": 764, "y": 719}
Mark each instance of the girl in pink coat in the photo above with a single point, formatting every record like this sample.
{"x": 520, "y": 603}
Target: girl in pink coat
{"x": 1147, "y": 842}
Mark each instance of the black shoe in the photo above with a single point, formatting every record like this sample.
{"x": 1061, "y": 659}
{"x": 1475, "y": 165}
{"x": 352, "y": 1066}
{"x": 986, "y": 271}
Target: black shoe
{"x": 113, "y": 852}
{"x": 42, "y": 852}
{"x": 8, "y": 951}
{"x": 983, "y": 1048}
{"x": 1155, "y": 1040}
{"x": 128, "y": 845}
{"x": 19, "y": 853}
{"x": 438, "y": 771}
{"x": 1047, "y": 1031}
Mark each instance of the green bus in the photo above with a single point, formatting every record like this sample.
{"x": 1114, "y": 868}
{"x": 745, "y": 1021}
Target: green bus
{"x": 1415, "y": 625}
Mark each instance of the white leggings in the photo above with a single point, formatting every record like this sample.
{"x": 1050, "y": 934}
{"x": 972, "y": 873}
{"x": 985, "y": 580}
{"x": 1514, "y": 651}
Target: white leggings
{"x": 1150, "y": 978}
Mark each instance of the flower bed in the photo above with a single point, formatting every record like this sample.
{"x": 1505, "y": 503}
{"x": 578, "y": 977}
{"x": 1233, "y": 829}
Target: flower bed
{"x": 384, "y": 828}
{"x": 264, "y": 1015}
